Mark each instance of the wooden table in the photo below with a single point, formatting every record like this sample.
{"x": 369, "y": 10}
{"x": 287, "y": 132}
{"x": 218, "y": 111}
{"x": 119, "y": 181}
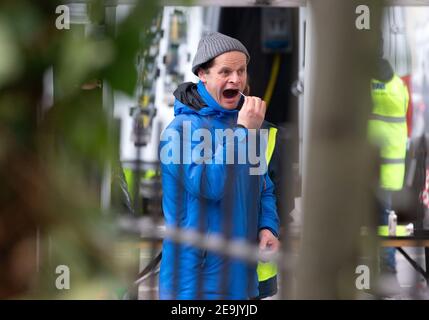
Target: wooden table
{"x": 410, "y": 241}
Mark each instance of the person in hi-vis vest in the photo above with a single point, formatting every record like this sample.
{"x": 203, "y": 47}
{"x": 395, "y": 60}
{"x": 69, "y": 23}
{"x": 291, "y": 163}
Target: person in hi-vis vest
{"x": 267, "y": 271}
{"x": 388, "y": 130}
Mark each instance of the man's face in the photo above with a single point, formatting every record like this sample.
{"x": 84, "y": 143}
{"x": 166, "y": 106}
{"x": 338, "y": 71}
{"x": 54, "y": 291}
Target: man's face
{"x": 227, "y": 75}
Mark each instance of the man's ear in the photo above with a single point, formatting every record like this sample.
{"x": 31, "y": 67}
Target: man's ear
{"x": 202, "y": 75}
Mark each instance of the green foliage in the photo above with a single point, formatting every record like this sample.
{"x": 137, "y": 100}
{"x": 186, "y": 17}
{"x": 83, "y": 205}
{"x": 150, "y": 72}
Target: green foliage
{"x": 134, "y": 28}
{"x": 51, "y": 163}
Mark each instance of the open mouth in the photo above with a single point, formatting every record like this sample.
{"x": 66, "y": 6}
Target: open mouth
{"x": 230, "y": 93}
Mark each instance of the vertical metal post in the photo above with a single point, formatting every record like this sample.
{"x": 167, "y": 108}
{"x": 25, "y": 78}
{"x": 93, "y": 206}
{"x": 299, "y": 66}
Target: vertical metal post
{"x": 110, "y": 19}
{"x": 107, "y": 176}
{"x": 335, "y": 171}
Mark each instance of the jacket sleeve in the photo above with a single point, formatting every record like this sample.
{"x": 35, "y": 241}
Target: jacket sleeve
{"x": 201, "y": 173}
{"x": 268, "y": 217}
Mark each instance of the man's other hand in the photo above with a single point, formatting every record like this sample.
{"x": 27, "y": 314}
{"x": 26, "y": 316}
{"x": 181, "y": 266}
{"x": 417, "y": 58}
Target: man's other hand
{"x": 267, "y": 241}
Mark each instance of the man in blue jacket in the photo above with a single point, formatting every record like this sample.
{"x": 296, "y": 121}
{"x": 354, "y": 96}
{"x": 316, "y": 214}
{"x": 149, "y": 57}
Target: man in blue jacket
{"x": 208, "y": 190}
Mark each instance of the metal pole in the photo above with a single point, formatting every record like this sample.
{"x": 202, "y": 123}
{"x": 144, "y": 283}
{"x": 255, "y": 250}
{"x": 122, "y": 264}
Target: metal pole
{"x": 108, "y": 102}
{"x": 335, "y": 170}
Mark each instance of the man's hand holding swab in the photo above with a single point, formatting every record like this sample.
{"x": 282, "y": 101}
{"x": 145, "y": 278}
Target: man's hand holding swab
{"x": 252, "y": 112}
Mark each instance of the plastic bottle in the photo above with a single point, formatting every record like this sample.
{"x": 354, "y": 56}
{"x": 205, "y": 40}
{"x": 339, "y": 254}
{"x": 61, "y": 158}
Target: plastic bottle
{"x": 392, "y": 223}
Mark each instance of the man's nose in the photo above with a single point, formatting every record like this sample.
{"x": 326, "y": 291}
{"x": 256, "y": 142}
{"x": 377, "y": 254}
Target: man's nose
{"x": 234, "y": 77}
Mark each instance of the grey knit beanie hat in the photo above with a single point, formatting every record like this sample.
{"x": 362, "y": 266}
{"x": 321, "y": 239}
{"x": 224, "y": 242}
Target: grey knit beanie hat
{"x": 214, "y": 44}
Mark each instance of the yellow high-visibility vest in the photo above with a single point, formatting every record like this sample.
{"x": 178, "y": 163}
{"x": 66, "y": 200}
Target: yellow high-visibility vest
{"x": 267, "y": 270}
{"x": 387, "y": 128}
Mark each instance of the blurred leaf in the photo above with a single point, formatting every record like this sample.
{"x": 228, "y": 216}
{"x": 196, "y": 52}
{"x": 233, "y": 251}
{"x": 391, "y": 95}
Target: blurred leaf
{"x": 122, "y": 74}
{"x": 96, "y": 11}
{"x": 51, "y": 164}
{"x": 10, "y": 55}
{"x": 81, "y": 57}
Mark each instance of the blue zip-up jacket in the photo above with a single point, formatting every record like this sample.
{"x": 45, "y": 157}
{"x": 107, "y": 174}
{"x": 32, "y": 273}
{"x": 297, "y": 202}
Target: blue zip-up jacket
{"x": 217, "y": 199}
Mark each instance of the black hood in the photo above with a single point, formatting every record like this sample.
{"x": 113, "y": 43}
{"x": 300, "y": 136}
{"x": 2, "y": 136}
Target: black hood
{"x": 187, "y": 94}
{"x": 384, "y": 71}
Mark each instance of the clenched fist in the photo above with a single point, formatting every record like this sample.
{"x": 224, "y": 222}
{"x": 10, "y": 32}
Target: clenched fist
{"x": 252, "y": 113}
{"x": 268, "y": 242}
